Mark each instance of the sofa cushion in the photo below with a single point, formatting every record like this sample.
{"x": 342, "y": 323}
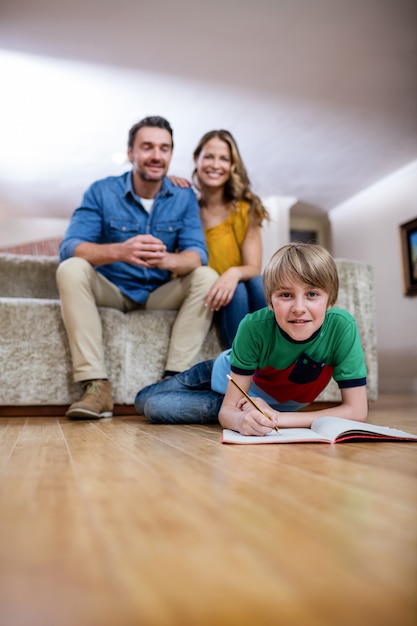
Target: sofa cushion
{"x": 35, "y": 359}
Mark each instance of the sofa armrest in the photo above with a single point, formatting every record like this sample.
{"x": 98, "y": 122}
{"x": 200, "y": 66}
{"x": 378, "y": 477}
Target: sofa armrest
{"x": 357, "y": 295}
{"x": 26, "y": 276}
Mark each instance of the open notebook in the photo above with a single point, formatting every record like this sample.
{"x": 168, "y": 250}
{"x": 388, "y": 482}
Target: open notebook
{"x": 325, "y": 430}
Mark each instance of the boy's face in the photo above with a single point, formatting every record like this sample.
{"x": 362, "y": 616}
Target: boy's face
{"x": 299, "y": 309}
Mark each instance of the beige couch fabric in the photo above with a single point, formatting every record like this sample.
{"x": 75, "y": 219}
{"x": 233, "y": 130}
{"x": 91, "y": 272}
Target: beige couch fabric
{"x": 34, "y": 354}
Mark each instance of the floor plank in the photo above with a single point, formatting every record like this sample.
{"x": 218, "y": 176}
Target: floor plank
{"x": 120, "y": 522}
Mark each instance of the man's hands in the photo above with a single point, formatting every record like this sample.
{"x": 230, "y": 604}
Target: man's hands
{"x": 144, "y": 250}
{"x": 149, "y": 251}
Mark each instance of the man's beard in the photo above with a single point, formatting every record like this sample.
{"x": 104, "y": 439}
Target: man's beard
{"x": 152, "y": 178}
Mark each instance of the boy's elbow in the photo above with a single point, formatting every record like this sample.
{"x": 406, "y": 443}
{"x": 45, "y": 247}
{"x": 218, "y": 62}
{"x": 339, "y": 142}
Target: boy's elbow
{"x": 355, "y": 401}
{"x": 362, "y": 416}
{"x": 361, "y": 411}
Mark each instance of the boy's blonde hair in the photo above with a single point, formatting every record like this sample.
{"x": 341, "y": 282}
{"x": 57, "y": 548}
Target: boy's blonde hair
{"x": 301, "y": 262}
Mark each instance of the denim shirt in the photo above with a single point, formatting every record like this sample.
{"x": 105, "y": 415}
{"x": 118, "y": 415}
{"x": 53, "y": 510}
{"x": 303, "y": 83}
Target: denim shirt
{"x": 110, "y": 212}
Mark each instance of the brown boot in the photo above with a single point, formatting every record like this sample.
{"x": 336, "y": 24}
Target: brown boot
{"x": 96, "y": 402}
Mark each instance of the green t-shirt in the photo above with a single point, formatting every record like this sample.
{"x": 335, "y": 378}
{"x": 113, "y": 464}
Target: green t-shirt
{"x": 297, "y": 371}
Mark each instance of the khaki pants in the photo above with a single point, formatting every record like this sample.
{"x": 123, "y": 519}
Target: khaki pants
{"x": 82, "y": 290}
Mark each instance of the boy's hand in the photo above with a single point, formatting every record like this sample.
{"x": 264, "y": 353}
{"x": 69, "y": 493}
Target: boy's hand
{"x": 253, "y": 422}
{"x": 244, "y": 405}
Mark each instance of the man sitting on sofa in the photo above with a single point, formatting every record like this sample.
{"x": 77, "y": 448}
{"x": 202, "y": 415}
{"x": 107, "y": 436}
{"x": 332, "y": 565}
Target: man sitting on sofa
{"x": 130, "y": 236}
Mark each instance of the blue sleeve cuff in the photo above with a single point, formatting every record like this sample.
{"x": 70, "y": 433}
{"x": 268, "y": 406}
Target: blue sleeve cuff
{"x": 201, "y": 253}
{"x": 67, "y": 247}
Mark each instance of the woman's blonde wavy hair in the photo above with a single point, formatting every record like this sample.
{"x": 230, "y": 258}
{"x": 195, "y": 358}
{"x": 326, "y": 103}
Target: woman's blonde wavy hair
{"x": 237, "y": 188}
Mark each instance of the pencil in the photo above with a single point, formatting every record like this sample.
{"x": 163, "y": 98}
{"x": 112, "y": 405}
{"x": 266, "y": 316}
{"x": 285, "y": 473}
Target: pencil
{"x": 249, "y": 399}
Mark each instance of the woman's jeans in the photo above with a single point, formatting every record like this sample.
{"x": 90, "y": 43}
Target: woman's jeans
{"x": 248, "y": 297}
{"x": 186, "y": 398}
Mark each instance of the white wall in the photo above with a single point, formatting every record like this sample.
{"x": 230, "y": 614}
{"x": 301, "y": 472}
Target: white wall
{"x": 276, "y": 232}
{"x": 15, "y": 231}
{"x": 366, "y": 228}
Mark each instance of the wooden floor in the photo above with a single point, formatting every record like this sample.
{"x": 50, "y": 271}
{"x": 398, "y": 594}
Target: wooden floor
{"x": 121, "y": 523}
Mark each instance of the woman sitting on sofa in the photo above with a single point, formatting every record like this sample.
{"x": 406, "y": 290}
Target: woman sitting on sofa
{"x": 232, "y": 217}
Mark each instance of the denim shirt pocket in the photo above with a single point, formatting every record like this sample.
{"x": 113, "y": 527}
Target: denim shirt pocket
{"x": 120, "y": 229}
{"x": 168, "y": 233}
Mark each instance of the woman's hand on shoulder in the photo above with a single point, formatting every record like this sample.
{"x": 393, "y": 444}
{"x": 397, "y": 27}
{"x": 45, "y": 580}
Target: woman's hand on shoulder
{"x": 179, "y": 182}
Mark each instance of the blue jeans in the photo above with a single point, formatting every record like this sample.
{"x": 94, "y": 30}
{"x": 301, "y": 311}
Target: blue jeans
{"x": 248, "y": 297}
{"x": 186, "y": 398}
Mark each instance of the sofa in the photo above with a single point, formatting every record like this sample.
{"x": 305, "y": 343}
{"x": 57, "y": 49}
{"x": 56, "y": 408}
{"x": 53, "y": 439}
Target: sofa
{"x": 35, "y": 359}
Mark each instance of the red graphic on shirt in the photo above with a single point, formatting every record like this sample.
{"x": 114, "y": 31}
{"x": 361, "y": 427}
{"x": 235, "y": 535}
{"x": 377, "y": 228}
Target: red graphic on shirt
{"x": 276, "y": 383}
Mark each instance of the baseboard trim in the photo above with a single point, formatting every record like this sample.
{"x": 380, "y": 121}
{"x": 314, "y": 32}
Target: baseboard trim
{"x": 55, "y": 410}
{"x": 118, "y": 409}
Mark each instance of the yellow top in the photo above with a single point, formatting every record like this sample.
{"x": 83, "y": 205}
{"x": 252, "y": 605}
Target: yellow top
{"x": 224, "y": 241}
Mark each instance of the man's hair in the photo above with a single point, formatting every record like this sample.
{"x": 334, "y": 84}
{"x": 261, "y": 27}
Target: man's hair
{"x": 154, "y": 121}
{"x": 301, "y": 262}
